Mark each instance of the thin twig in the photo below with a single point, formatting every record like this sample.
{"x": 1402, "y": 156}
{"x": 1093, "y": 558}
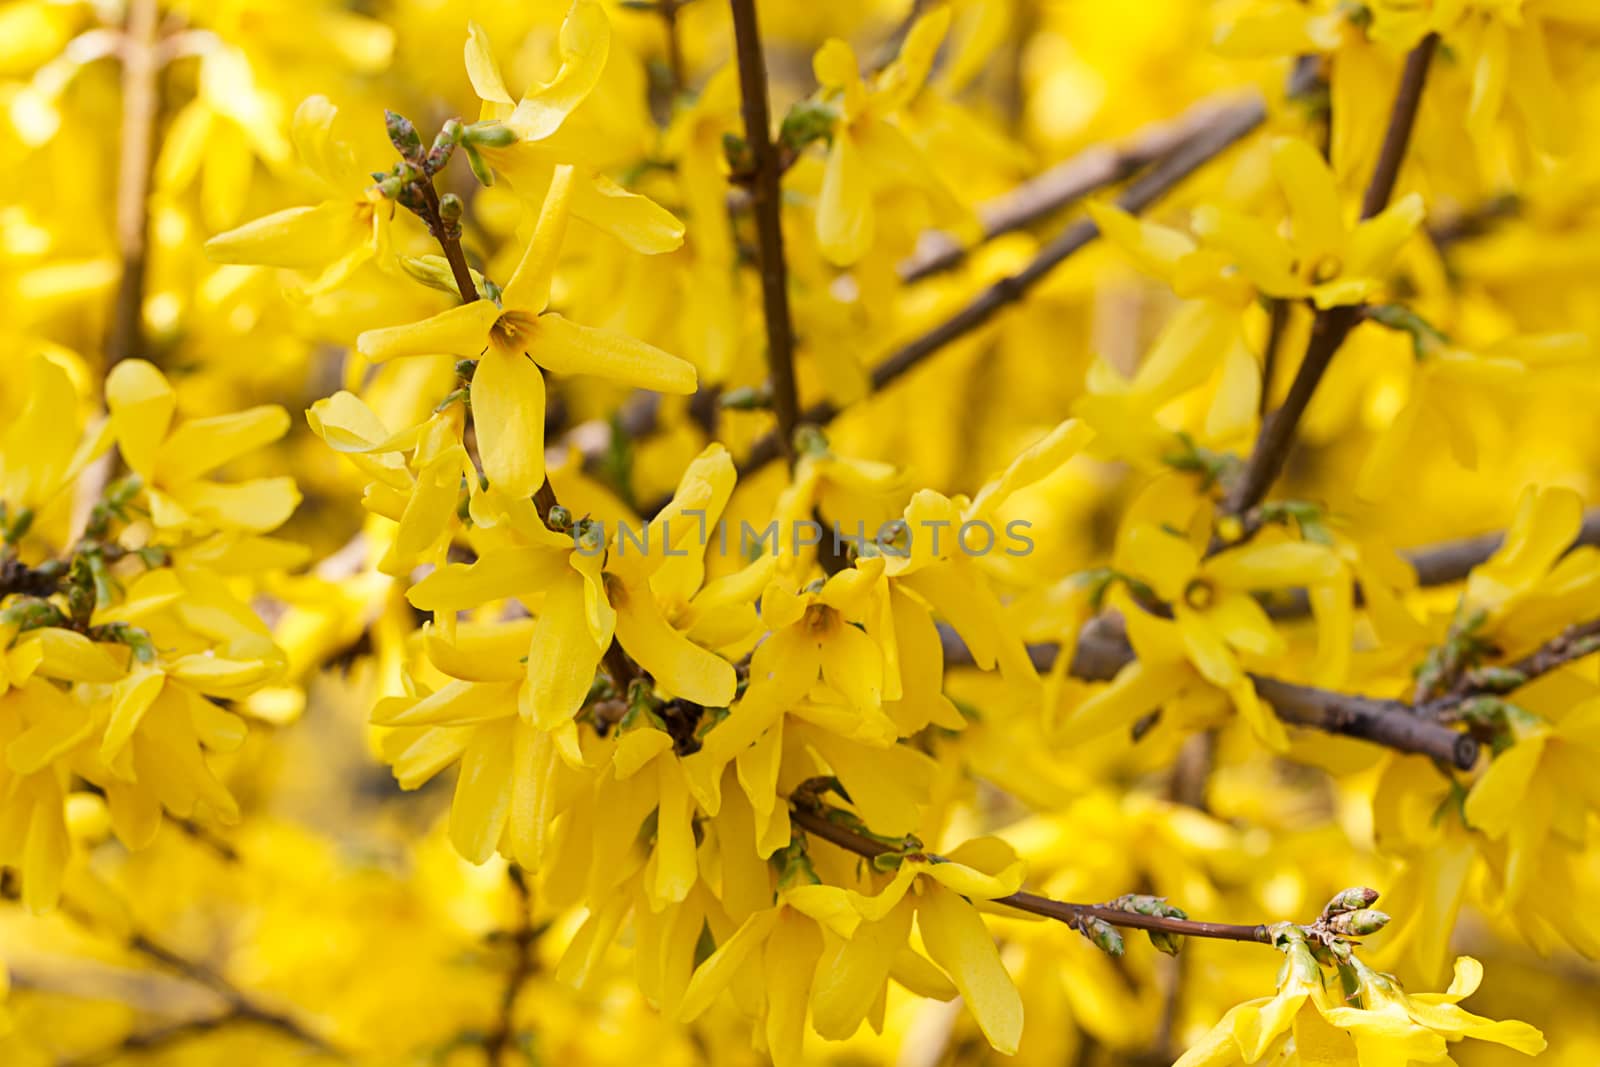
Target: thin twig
{"x": 1333, "y": 325}
{"x": 1102, "y": 650}
{"x": 764, "y": 178}
{"x": 1570, "y": 645}
{"x": 815, "y": 821}
{"x": 1206, "y": 145}
{"x": 449, "y": 239}
{"x": 522, "y": 938}
{"x": 1277, "y": 325}
{"x": 141, "y": 101}
{"x": 1095, "y": 168}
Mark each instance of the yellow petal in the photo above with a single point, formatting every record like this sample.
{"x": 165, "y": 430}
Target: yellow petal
{"x": 508, "y": 412}
{"x": 201, "y": 445}
{"x": 1316, "y": 211}
{"x": 529, "y": 287}
{"x": 680, "y": 666}
{"x": 567, "y": 348}
{"x": 497, "y": 574}
{"x": 461, "y": 331}
{"x": 844, "y": 206}
{"x": 960, "y": 944}
{"x": 483, "y": 793}
{"x": 1273, "y": 566}
{"x": 297, "y": 238}
{"x": 141, "y": 403}
{"x": 482, "y": 71}
{"x": 637, "y": 221}
{"x": 719, "y": 969}
{"x": 585, "y": 43}
{"x": 562, "y": 656}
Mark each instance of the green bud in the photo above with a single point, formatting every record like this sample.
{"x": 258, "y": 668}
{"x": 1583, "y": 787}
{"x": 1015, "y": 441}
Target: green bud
{"x": 809, "y": 440}
{"x": 1352, "y": 899}
{"x": 807, "y": 121}
{"x": 434, "y": 272}
{"x": 1167, "y": 943}
{"x": 489, "y": 135}
{"x": 1499, "y": 679}
{"x": 403, "y": 135}
{"x": 19, "y": 526}
{"x": 480, "y": 169}
{"x": 1358, "y": 923}
{"x": 1102, "y": 935}
{"x": 451, "y": 209}
{"x": 794, "y": 864}
{"x": 1484, "y": 710}
{"x": 559, "y": 519}
{"x": 737, "y": 152}
{"x": 747, "y": 398}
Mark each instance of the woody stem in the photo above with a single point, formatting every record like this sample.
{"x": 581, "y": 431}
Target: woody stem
{"x": 1333, "y": 325}
{"x": 815, "y": 821}
{"x": 765, "y": 173}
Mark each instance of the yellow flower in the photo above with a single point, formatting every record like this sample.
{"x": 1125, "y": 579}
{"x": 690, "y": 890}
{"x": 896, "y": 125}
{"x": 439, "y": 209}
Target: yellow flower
{"x": 1325, "y": 259}
{"x": 1214, "y": 619}
{"x": 335, "y": 236}
{"x": 43, "y": 449}
{"x": 939, "y": 891}
{"x": 870, "y": 154}
{"x": 545, "y": 139}
{"x": 515, "y": 342}
{"x": 1542, "y": 786}
{"x": 1444, "y": 376}
{"x": 1383, "y": 1027}
{"x": 173, "y": 460}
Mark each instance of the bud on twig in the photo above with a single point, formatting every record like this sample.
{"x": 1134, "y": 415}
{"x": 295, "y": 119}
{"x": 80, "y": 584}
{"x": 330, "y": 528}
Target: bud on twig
{"x": 747, "y": 398}
{"x": 488, "y": 135}
{"x": 480, "y": 169}
{"x": 1352, "y": 899}
{"x": 403, "y": 135}
{"x": 1358, "y": 923}
{"x": 1101, "y": 934}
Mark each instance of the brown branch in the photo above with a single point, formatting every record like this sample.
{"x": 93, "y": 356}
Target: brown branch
{"x": 241, "y": 1007}
{"x": 765, "y": 197}
{"x": 449, "y": 238}
{"x": 1095, "y": 168}
{"x": 1437, "y": 564}
{"x": 1276, "y": 327}
{"x": 522, "y": 938}
{"x": 141, "y": 102}
{"x": 184, "y": 1030}
{"x": 1102, "y": 650}
{"x": 814, "y": 821}
{"x": 1206, "y": 145}
{"x": 1570, "y": 645}
{"x": 1333, "y": 325}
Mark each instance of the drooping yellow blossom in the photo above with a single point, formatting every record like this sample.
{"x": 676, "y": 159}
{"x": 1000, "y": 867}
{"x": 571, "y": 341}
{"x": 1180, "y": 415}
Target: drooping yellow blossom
{"x": 333, "y": 237}
{"x": 1312, "y": 1019}
{"x": 1324, "y": 258}
{"x": 515, "y": 342}
{"x": 869, "y": 155}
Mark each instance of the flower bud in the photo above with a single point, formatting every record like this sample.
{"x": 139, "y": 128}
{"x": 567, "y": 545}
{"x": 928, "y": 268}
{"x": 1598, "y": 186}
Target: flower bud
{"x": 1102, "y": 935}
{"x": 1352, "y": 899}
{"x": 489, "y": 135}
{"x": 480, "y": 169}
{"x": 559, "y": 519}
{"x": 1358, "y": 923}
{"x": 403, "y": 135}
{"x": 450, "y": 209}
{"x": 747, "y": 398}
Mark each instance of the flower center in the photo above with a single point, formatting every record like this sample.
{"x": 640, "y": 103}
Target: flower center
{"x": 1326, "y": 269}
{"x": 1199, "y": 594}
{"x": 512, "y": 330}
